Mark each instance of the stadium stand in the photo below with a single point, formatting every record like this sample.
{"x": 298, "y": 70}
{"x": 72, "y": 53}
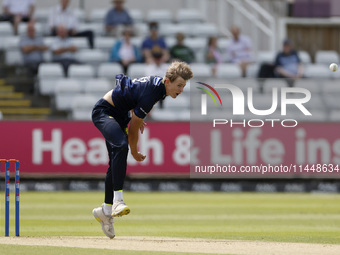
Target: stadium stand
{"x": 197, "y": 27}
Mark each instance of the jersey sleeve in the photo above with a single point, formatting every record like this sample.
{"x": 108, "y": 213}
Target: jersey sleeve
{"x": 143, "y": 108}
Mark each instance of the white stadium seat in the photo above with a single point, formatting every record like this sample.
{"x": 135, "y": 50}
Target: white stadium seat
{"x": 137, "y": 41}
{"x": 201, "y": 70}
{"x": 50, "y": 70}
{"x": 266, "y": 57}
{"x": 82, "y": 105}
{"x": 317, "y": 71}
{"x": 222, "y": 44}
{"x": 6, "y": 29}
{"x": 141, "y": 29}
{"x": 81, "y": 72}
{"x": 204, "y": 30}
{"x": 13, "y": 55}
{"x": 198, "y": 45}
{"x": 97, "y": 87}
{"x": 252, "y": 70}
{"x": 92, "y": 57}
{"x": 228, "y": 71}
{"x": 304, "y": 57}
{"x": 326, "y": 57}
{"x": 98, "y": 15}
{"x": 104, "y": 43}
{"x": 109, "y": 70}
{"x": 137, "y": 70}
{"x": 96, "y": 28}
{"x": 170, "y": 41}
{"x": 190, "y": 16}
{"x": 168, "y": 29}
{"x": 11, "y": 42}
{"x": 136, "y": 15}
{"x": 160, "y": 16}
{"x": 65, "y": 91}
{"x": 48, "y": 74}
{"x": 42, "y": 14}
{"x": 80, "y": 42}
{"x": 80, "y": 14}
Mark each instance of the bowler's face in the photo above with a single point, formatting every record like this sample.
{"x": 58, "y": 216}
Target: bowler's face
{"x": 174, "y": 88}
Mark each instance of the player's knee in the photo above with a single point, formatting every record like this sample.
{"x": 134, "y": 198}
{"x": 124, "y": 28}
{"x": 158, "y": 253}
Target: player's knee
{"x": 124, "y": 145}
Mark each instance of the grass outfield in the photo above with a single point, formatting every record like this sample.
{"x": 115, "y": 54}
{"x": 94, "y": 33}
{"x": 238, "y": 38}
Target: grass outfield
{"x": 281, "y": 217}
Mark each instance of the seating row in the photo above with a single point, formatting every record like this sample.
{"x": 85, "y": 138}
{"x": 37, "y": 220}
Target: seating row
{"x": 140, "y": 29}
{"x": 161, "y": 16}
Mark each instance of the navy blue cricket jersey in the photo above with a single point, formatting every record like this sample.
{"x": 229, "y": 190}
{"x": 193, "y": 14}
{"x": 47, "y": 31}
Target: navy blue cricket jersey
{"x": 139, "y": 94}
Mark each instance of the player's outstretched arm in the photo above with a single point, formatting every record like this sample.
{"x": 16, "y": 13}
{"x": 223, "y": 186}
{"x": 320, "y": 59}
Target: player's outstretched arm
{"x": 135, "y": 124}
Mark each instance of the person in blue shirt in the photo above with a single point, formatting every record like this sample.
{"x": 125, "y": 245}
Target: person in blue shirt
{"x": 288, "y": 64}
{"x": 129, "y": 102}
{"x": 124, "y": 52}
{"x": 154, "y": 44}
{"x": 117, "y": 16}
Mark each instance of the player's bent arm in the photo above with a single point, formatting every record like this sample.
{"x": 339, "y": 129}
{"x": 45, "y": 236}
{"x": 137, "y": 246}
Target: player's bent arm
{"x": 135, "y": 124}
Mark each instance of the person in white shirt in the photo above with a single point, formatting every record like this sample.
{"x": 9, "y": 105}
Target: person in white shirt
{"x": 124, "y": 51}
{"x": 16, "y": 11}
{"x": 64, "y": 50}
{"x": 240, "y": 50}
{"x": 65, "y": 16}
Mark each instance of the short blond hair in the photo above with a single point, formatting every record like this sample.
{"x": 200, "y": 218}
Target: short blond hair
{"x": 178, "y": 68}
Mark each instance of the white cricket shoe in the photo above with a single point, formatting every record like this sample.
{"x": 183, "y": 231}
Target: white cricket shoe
{"x": 105, "y": 221}
{"x": 119, "y": 209}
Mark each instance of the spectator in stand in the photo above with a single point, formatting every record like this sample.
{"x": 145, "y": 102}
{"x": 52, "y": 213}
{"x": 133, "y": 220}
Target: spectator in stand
{"x": 288, "y": 64}
{"x": 64, "y": 50}
{"x": 117, "y": 16}
{"x": 182, "y": 52}
{"x": 124, "y": 51}
{"x": 213, "y": 56}
{"x": 65, "y": 16}
{"x": 154, "y": 44}
{"x": 32, "y": 48}
{"x": 16, "y": 11}
{"x": 240, "y": 50}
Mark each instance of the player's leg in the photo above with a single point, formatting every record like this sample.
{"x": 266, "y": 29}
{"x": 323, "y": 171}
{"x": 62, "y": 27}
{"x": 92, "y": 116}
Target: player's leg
{"x": 100, "y": 118}
{"x": 117, "y": 146}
